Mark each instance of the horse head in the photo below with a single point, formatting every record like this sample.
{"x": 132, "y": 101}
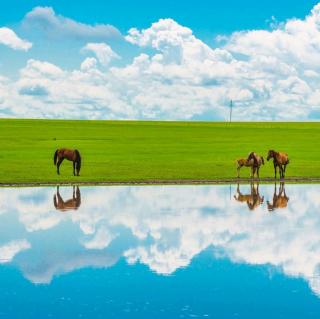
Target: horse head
{"x": 270, "y": 154}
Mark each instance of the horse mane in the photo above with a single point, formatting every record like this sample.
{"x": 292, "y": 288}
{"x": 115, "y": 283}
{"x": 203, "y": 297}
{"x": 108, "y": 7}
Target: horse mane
{"x": 253, "y": 156}
{"x": 55, "y": 157}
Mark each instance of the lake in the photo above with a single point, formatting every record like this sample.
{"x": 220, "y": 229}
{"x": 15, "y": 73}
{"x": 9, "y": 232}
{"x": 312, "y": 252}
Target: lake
{"x": 234, "y": 251}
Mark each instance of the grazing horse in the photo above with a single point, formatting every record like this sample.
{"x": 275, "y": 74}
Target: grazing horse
{"x": 280, "y": 200}
{"x": 257, "y": 162}
{"x": 280, "y": 160}
{"x": 70, "y": 204}
{"x": 253, "y": 199}
{"x": 71, "y": 155}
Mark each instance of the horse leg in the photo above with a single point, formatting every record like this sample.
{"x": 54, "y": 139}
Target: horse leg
{"x": 238, "y": 170}
{"x": 74, "y": 168}
{"x": 258, "y": 172}
{"x": 55, "y": 203}
{"x": 78, "y": 196}
{"x": 284, "y": 169}
{"x": 59, "y": 198}
{"x": 58, "y": 164}
{"x": 78, "y": 168}
{"x": 275, "y": 171}
{"x": 281, "y": 171}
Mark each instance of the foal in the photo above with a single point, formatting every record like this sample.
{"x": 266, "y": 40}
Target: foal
{"x": 254, "y": 161}
{"x": 253, "y": 200}
{"x": 244, "y": 162}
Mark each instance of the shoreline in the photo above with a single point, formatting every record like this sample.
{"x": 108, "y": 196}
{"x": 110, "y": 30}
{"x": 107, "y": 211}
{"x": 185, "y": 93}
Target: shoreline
{"x": 226, "y": 181}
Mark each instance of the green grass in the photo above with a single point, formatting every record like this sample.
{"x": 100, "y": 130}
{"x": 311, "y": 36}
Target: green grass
{"x": 142, "y": 151}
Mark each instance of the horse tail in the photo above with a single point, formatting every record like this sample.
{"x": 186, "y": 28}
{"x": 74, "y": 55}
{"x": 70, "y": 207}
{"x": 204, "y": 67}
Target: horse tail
{"x": 262, "y": 160}
{"x": 78, "y": 159}
{"x": 55, "y": 157}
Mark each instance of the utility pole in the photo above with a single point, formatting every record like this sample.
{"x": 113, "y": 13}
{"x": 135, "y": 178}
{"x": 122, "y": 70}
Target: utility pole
{"x": 231, "y": 106}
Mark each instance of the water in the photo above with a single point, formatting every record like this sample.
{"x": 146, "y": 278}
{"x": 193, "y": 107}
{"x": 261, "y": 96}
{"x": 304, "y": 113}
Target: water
{"x": 160, "y": 252}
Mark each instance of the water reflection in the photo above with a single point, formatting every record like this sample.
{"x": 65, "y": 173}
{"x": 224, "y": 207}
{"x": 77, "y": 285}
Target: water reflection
{"x": 253, "y": 199}
{"x": 161, "y": 227}
{"x": 70, "y": 204}
{"x": 280, "y": 199}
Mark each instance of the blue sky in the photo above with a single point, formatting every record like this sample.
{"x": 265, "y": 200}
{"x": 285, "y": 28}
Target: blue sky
{"x": 206, "y": 18}
{"x": 203, "y": 16}
{"x": 226, "y": 40}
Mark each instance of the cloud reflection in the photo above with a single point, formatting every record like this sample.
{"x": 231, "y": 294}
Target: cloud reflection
{"x": 165, "y": 227}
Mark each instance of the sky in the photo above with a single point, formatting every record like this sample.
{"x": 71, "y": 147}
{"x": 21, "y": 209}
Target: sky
{"x": 160, "y": 60}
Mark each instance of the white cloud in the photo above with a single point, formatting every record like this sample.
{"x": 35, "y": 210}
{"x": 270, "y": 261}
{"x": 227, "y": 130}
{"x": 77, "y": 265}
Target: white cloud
{"x": 9, "y": 38}
{"x": 88, "y": 63}
{"x": 170, "y": 226}
{"x": 103, "y": 52}
{"x": 58, "y": 26}
{"x": 11, "y": 249}
{"x": 270, "y": 75}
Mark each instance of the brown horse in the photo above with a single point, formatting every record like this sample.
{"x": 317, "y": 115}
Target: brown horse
{"x": 280, "y": 160}
{"x": 257, "y": 162}
{"x": 70, "y": 204}
{"x": 280, "y": 200}
{"x": 244, "y": 162}
{"x": 71, "y": 155}
{"x": 253, "y": 199}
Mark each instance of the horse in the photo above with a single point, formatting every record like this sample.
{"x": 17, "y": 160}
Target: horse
{"x": 71, "y": 155}
{"x": 257, "y": 162}
{"x": 280, "y": 160}
{"x": 253, "y": 199}
{"x": 70, "y": 204}
{"x": 243, "y": 162}
{"x": 280, "y": 200}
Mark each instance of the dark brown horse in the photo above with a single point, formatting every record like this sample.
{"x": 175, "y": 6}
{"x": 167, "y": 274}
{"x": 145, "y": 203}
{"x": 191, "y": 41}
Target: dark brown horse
{"x": 70, "y": 204}
{"x": 257, "y": 162}
{"x": 71, "y": 155}
{"x": 280, "y": 199}
{"x": 280, "y": 160}
{"x": 253, "y": 200}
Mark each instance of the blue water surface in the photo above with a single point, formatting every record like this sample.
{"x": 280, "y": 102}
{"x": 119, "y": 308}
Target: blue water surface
{"x": 160, "y": 252}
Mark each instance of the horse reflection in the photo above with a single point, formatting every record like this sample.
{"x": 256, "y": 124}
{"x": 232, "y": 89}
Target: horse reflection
{"x": 253, "y": 199}
{"x": 70, "y": 204}
{"x": 280, "y": 200}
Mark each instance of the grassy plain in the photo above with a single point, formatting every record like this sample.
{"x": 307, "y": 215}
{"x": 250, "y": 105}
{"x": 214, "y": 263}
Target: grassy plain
{"x": 119, "y": 151}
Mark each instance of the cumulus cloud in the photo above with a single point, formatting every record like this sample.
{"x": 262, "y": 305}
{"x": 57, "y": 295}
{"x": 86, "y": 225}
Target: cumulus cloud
{"x": 11, "y": 249}
{"x": 269, "y": 74}
{"x": 9, "y": 38}
{"x": 58, "y": 26}
{"x": 103, "y": 52}
{"x": 168, "y": 227}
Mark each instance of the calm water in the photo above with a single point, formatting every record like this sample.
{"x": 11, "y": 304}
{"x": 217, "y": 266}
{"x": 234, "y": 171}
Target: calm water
{"x": 160, "y": 252}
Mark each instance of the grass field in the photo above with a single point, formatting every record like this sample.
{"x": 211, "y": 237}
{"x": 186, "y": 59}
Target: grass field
{"x": 143, "y": 151}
